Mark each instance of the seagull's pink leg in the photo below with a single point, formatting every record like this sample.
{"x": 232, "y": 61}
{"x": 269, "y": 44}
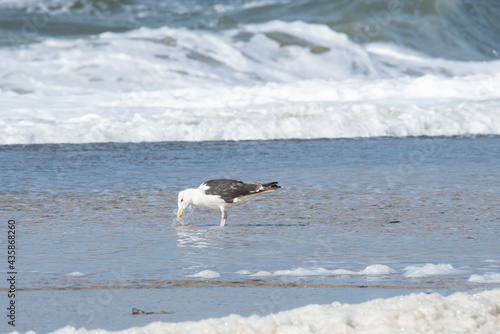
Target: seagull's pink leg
{"x": 223, "y": 218}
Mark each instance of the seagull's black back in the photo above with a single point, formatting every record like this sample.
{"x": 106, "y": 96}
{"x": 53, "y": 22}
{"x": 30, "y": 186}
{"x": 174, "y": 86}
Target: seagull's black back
{"x": 228, "y": 190}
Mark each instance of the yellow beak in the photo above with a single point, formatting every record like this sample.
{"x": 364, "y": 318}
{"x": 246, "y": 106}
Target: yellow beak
{"x": 179, "y": 213}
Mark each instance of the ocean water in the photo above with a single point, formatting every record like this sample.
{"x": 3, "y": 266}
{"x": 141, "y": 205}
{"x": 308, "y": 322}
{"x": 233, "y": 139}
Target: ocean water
{"x": 381, "y": 121}
{"x": 356, "y": 220}
{"x": 80, "y": 71}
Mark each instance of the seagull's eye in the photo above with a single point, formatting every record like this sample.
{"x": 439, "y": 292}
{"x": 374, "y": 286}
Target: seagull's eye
{"x": 182, "y": 199}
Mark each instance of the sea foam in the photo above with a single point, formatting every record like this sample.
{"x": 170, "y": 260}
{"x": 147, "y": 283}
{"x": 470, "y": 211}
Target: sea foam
{"x": 206, "y": 274}
{"x": 486, "y": 278}
{"x": 372, "y": 270}
{"x": 247, "y": 83}
{"x": 430, "y": 269}
{"x": 416, "y": 313}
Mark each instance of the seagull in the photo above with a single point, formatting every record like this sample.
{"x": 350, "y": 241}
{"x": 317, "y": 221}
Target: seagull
{"x": 222, "y": 194}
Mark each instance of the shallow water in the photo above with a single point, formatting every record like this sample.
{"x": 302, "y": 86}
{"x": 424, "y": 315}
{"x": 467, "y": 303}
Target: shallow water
{"x": 97, "y": 232}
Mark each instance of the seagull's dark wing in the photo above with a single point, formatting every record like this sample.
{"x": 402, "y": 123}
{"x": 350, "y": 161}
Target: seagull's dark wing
{"x": 228, "y": 190}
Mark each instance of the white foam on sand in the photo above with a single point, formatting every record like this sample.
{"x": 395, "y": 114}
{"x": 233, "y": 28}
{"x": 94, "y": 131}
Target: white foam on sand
{"x": 206, "y": 274}
{"x": 262, "y": 273}
{"x": 430, "y": 269}
{"x": 75, "y": 274}
{"x": 376, "y": 270}
{"x": 243, "y": 272}
{"x": 486, "y": 278}
{"x": 415, "y": 313}
{"x": 372, "y": 270}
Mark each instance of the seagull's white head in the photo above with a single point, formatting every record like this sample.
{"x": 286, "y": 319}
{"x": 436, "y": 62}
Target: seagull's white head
{"x": 184, "y": 200}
